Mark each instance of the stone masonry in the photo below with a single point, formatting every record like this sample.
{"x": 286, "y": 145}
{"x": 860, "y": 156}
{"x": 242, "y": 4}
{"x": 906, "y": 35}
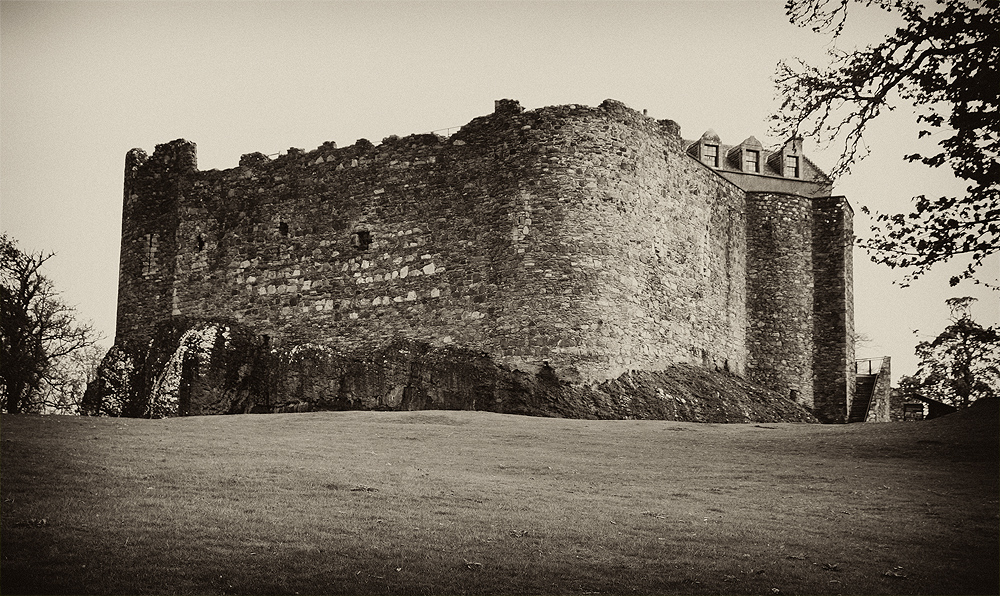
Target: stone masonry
{"x": 585, "y": 241}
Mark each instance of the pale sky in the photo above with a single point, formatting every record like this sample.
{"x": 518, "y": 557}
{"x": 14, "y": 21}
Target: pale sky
{"x": 81, "y": 83}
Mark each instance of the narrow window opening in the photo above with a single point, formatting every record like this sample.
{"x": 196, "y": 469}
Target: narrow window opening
{"x": 283, "y": 228}
{"x": 361, "y": 240}
{"x": 201, "y": 242}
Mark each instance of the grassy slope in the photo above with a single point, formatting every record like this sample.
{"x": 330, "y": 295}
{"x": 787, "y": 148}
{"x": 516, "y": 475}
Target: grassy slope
{"x": 471, "y": 502}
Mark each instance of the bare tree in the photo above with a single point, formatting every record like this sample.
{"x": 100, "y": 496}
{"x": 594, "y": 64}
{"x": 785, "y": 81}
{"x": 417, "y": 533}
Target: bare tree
{"x": 38, "y": 331}
{"x": 62, "y": 390}
{"x": 862, "y": 341}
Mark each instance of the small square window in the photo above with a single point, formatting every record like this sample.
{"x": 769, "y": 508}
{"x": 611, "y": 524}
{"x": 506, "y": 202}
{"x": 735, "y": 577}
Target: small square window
{"x": 751, "y": 161}
{"x": 791, "y": 166}
{"x": 361, "y": 240}
{"x": 710, "y": 155}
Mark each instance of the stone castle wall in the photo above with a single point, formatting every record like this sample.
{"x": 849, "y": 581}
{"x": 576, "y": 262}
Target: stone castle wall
{"x": 579, "y": 239}
{"x": 800, "y": 299}
{"x": 833, "y": 300}
{"x": 780, "y": 289}
{"x": 579, "y": 236}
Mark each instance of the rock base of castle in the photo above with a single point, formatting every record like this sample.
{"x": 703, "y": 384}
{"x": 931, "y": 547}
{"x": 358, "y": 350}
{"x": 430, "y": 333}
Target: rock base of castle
{"x": 203, "y": 368}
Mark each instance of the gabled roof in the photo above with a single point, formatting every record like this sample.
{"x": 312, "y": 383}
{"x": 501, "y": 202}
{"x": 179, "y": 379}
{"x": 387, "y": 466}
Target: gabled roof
{"x": 732, "y": 159}
{"x": 711, "y": 136}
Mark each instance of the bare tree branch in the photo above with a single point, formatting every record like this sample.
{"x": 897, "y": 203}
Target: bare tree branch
{"x": 39, "y": 337}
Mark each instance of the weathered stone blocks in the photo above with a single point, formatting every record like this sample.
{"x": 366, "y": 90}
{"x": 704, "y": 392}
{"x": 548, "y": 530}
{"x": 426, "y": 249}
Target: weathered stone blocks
{"x": 580, "y": 240}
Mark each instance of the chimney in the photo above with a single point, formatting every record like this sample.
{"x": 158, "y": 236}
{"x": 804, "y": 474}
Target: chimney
{"x": 507, "y": 106}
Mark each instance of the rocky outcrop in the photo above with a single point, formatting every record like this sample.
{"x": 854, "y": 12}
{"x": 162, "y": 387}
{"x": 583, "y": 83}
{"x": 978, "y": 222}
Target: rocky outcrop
{"x": 199, "y": 368}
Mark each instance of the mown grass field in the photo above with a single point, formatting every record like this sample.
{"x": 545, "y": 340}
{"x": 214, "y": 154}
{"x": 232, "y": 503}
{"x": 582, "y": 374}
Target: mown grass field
{"x": 479, "y": 503}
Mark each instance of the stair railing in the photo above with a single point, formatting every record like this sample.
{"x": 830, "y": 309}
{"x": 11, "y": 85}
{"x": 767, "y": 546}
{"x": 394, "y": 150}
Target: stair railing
{"x": 871, "y": 398}
{"x": 871, "y": 365}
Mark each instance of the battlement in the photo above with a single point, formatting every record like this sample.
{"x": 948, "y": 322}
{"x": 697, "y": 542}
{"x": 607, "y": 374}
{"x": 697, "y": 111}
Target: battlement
{"x": 585, "y": 239}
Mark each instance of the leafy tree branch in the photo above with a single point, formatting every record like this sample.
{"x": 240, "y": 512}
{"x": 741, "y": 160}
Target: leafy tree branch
{"x": 945, "y": 62}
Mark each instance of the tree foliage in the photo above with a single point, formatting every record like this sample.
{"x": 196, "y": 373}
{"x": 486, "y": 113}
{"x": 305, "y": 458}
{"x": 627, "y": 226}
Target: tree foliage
{"x": 962, "y": 364}
{"x": 41, "y": 344}
{"x": 945, "y": 62}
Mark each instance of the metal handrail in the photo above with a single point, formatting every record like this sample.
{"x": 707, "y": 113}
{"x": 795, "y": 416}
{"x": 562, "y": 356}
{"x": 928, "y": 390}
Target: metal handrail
{"x": 871, "y": 398}
{"x": 866, "y": 363}
{"x": 447, "y": 131}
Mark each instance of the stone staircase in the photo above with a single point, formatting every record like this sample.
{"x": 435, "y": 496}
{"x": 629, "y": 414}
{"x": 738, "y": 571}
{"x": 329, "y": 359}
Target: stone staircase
{"x": 864, "y": 388}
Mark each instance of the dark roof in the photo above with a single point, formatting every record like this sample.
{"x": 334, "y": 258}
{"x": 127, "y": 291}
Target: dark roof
{"x": 730, "y": 158}
{"x": 930, "y": 401}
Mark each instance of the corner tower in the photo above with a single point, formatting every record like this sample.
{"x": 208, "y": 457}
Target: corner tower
{"x": 799, "y": 272}
{"x": 150, "y": 218}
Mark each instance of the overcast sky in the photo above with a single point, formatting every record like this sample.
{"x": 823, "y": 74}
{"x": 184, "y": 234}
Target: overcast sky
{"x": 81, "y": 83}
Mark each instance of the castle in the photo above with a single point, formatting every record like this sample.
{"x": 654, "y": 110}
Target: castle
{"x": 588, "y": 241}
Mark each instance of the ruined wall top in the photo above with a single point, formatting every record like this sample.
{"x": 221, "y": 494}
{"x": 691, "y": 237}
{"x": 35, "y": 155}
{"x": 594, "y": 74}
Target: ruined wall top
{"x": 748, "y": 165}
{"x": 180, "y": 156}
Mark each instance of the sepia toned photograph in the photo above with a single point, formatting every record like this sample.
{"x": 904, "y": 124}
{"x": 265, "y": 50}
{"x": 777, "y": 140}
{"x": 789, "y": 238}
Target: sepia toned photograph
{"x": 500, "y": 297}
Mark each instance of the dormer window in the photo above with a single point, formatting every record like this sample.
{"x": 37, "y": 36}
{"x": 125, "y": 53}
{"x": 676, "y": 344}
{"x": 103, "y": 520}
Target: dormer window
{"x": 751, "y": 161}
{"x": 710, "y": 155}
{"x": 791, "y": 166}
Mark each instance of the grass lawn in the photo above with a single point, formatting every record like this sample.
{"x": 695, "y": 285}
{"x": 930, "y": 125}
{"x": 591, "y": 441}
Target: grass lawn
{"x": 480, "y": 503}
